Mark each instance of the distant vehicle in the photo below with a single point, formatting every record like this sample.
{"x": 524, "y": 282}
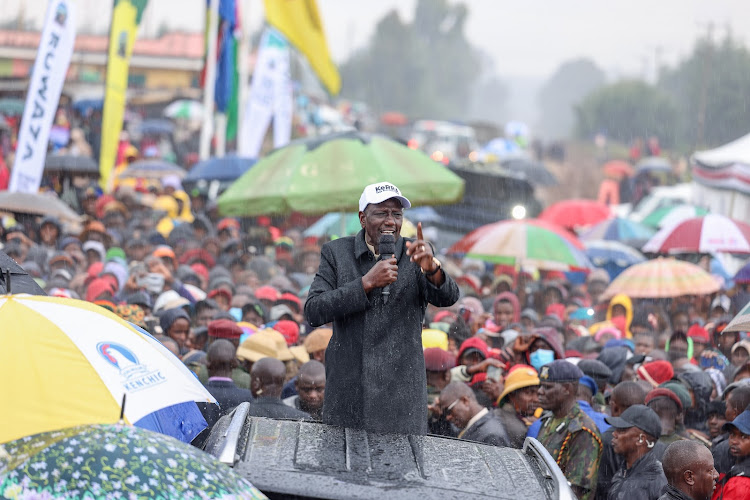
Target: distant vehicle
{"x": 444, "y": 141}
{"x": 302, "y": 460}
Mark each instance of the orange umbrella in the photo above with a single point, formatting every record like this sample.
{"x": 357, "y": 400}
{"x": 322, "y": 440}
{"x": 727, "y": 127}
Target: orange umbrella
{"x": 662, "y": 278}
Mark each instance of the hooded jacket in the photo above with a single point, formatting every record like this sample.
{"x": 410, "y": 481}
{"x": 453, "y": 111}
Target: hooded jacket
{"x": 513, "y": 299}
{"x": 624, "y": 301}
{"x": 644, "y": 481}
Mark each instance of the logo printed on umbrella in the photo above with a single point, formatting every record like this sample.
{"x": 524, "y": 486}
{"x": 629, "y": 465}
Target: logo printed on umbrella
{"x": 136, "y": 376}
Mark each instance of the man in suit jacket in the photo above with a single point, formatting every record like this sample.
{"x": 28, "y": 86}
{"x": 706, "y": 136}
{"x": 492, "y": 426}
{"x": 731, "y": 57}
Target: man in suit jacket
{"x": 221, "y": 360}
{"x": 266, "y": 382}
{"x": 460, "y": 407}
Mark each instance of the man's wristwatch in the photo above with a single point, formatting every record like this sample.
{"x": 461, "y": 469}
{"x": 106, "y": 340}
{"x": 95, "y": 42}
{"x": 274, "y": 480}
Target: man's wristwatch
{"x": 438, "y": 267}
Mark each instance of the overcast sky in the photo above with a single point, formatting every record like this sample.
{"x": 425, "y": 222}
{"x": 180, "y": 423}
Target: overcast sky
{"x": 526, "y": 38}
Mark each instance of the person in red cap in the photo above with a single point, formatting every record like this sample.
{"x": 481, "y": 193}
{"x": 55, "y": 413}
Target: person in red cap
{"x": 228, "y": 330}
{"x": 289, "y": 329}
{"x": 701, "y": 340}
{"x": 668, "y": 406}
{"x": 267, "y": 295}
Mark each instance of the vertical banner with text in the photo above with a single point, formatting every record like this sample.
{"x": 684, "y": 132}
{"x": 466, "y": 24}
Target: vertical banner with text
{"x": 270, "y": 97}
{"x": 126, "y": 15}
{"x": 47, "y": 79}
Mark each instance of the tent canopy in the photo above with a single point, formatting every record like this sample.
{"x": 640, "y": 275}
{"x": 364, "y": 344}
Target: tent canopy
{"x": 737, "y": 151}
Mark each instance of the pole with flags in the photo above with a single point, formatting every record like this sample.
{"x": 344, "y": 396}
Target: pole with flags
{"x": 210, "y": 79}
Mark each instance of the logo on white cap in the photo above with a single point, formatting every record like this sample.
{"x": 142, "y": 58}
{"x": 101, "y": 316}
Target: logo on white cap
{"x": 380, "y": 192}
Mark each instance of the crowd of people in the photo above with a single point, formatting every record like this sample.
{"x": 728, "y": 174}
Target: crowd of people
{"x": 633, "y": 399}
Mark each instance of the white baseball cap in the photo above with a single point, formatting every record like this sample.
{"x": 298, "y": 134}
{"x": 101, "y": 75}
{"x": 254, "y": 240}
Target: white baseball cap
{"x": 379, "y": 192}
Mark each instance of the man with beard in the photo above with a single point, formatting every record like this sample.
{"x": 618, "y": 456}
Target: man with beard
{"x": 641, "y": 477}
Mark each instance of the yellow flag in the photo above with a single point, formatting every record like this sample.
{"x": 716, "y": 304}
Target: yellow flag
{"x": 299, "y": 22}
{"x": 125, "y": 18}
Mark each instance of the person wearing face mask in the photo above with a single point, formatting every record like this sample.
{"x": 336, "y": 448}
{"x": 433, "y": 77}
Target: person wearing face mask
{"x": 544, "y": 347}
{"x": 635, "y": 437}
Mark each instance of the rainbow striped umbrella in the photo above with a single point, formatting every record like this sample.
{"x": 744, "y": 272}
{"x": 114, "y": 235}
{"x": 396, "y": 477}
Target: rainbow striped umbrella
{"x": 67, "y": 362}
{"x": 522, "y": 243}
{"x": 662, "y": 278}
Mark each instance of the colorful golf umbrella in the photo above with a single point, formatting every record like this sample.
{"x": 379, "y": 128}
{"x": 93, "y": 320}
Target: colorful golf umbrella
{"x": 464, "y": 244}
{"x": 114, "y": 461}
{"x": 617, "y": 229}
{"x": 662, "y": 278}
{"x": 521, "y": 243}
{"x": 612, "y": 256}
{"x": 71, "y": 362}
{"x": 672, "y": 214}
{"x": 574, "y": 214}
{"x": 711, "y": 233}
{"x": 328, "y": 173}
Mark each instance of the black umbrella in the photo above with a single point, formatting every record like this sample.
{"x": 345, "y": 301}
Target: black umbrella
{"x": 13, "y": 278}
{"x": 71, "y": 164}
{"x": 535, "y": 172}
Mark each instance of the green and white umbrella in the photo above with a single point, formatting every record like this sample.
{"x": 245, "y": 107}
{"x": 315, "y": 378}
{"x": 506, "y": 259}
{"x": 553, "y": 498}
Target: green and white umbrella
{"x": 328, "y": 173}
{"x": 671, "y": 215}
{"x": 114, "y": 461}
{"x": 184, "y": 109}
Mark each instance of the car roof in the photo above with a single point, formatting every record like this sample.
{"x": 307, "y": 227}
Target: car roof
{"x": 313, "y": 460}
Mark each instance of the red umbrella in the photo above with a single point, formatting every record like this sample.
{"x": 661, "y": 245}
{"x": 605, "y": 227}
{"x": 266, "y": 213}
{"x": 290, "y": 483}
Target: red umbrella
{"x": 464, "y": 244}
{"x": 708, "y": 234}
{"x": 618, "y": 168}
{"x": 573, "y": 214}
{"x": 393, "y": 118}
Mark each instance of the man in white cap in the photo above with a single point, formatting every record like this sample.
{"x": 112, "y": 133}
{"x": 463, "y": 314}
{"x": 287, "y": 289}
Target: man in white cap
{"x": 375, "y": 373}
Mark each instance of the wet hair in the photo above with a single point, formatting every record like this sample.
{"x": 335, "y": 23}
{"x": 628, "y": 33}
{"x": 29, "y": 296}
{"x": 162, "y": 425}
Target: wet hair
{"x": 456, "y": 390}
{"x": 716, "y": 408}
{"x": 678, "y": 457}
{"x": 220, "y": 355}
{"x": 459, "y": 330}
{"x": 629, "y": 393}
{"x": 740, "y": 398}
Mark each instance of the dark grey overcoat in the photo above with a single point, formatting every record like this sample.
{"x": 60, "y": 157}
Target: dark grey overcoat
{"x": 375, "y": 374}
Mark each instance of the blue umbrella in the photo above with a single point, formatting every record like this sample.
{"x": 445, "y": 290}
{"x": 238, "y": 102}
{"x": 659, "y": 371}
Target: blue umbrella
{"x": 501, "y": 147}
{"x": 156, "y": 126}
{"x": 743, "y": 275}
{"x": 612, "y": 256}
{"x": 84, "y": 105}
{"x": 228, "y": 168}
{"x": 618, "y": 229}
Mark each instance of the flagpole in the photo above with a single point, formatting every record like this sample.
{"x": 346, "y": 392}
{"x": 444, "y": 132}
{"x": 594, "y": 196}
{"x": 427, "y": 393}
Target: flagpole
{"x": 210, "y": 81}
{"x": 244, "y": 71}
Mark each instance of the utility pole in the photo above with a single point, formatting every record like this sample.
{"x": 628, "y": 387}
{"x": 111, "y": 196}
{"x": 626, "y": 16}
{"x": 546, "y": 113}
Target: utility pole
{"x": 700, "y": 135}
{"x": 207, "y": 127}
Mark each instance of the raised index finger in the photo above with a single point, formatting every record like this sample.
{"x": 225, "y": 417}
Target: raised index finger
{"x": 419, "y": 231}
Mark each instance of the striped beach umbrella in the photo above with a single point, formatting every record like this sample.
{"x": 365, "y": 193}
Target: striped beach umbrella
{"x": 522, "y": 243}
{"x": 662, "y": 278}
{"x": 711, "y": 233}
{"x": 68, "y": 362}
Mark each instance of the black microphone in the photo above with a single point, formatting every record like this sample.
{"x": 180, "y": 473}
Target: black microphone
{"x": 386, "y": 247}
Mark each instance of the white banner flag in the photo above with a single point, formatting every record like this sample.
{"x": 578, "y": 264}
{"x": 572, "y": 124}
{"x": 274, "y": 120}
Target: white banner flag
{"x": 47, "y": 78}
{"x": 270, "y": 96}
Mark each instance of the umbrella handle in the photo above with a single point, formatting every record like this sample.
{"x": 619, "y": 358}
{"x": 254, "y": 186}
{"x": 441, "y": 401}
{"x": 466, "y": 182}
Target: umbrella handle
{"x": 122, "y": 407}
{"x": 7, "y": 280}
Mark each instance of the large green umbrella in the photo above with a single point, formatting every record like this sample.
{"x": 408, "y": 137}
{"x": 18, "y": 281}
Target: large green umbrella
{"x": 328, "y": 174}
